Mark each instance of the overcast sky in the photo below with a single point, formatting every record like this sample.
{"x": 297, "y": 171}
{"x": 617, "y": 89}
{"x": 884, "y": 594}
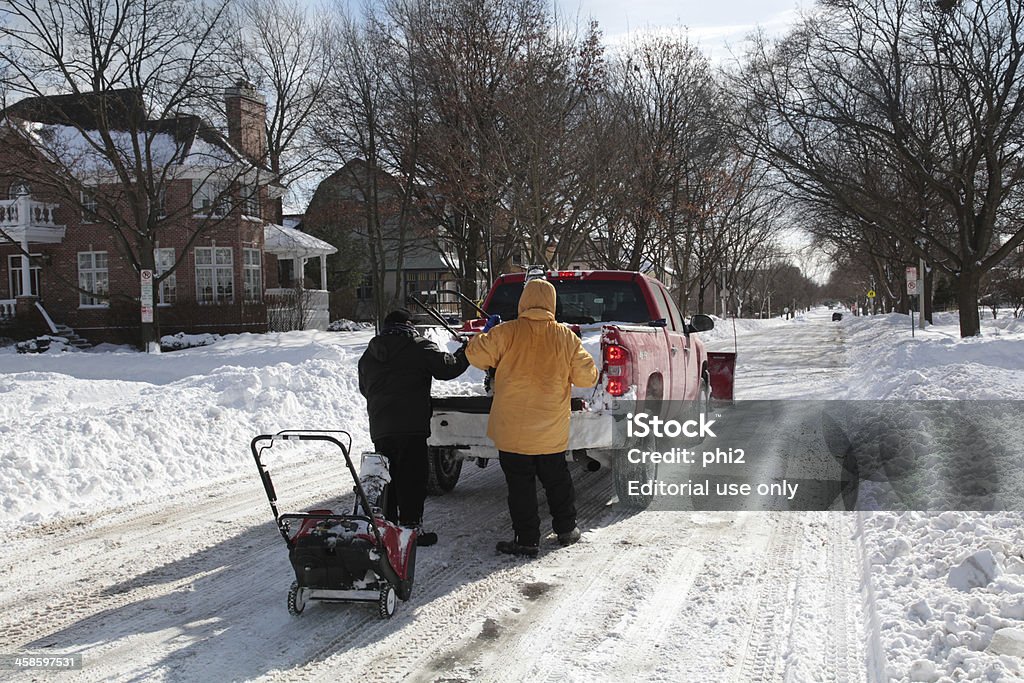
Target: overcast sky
{"x": 712, "y": 24}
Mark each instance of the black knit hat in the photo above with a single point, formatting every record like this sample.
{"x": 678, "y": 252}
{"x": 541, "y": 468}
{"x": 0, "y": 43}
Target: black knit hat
{"x": 399, "y": 316}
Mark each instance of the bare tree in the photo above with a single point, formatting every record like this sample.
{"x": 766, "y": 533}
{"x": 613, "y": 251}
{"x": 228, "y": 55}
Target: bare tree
{"x": 370, "y": 121}
{"x": 282, "y": 47}
{"x": 914, "y": 95}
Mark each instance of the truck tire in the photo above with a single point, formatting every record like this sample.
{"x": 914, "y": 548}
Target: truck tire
{"x": 624, "y": 472}
{"x": 703, "y": 403}
{"x": 443, "y": 470}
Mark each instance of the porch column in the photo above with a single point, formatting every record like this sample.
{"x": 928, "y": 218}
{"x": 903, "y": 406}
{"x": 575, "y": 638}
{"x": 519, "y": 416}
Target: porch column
{"x": 323, "y": 272}
{"x": 26, "y": 267}
{"x": 298, "y": 272}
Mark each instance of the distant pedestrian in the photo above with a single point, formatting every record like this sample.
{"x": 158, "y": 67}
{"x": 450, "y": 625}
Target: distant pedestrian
{"x": 395, "y": 374}
{"x": 537, "y": 361}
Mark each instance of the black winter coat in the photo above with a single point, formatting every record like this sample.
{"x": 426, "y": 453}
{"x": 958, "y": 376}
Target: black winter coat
{"x": 395, "y": 375}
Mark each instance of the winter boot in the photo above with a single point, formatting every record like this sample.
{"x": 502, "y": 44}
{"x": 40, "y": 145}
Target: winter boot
{"x": 569, "y": 537}
{"x": 516, "y": 548}
{"x": 423, "y": 538}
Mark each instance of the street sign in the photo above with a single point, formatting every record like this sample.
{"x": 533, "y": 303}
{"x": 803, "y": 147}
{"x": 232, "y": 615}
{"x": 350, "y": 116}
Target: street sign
{"x": 146, "y": 295}
{"x": 911, "y": 273}
{"x": 871, "y": 294}
{"x": 912, "y": 287}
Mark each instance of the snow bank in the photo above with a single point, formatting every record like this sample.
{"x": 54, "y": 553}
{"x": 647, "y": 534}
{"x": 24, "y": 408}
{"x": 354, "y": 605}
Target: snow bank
{"x": 90, "y": 430}
{"x": 944, "y": 583}
{"x": 934, "y": 364}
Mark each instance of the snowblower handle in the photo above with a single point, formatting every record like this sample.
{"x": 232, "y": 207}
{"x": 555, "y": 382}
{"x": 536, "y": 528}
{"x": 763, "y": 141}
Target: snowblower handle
{"x": 329, "y": 435}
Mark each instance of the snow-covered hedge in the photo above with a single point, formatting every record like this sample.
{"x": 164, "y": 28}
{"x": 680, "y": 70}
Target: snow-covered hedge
{"x": 344, "y": 325}
{"x": 176, "y": 342}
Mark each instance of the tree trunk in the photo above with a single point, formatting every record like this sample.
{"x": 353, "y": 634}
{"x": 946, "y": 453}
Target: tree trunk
{"x": 968, "y": 284}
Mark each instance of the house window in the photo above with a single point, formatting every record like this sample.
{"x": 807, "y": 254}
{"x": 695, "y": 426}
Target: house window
{"x": 364, "y": 292}
{"x": 251, "y": 200}
{"x": 14, "y": 271}
{"x": 214, "y": 275}
{"x": 88, "y": 201}
{"x": 208, "y": 197}
{"x": 93, "y": 277}
{"x": 168, "y": 294}
{"x": 252, "y": 274}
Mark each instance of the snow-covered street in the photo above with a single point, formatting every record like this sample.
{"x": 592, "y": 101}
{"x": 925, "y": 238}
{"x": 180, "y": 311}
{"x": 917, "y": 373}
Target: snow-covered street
{"x": 139, "y": 535}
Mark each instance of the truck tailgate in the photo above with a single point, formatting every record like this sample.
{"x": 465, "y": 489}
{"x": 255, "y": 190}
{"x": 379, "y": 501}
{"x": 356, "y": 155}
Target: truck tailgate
{"x": 461, "y": 421}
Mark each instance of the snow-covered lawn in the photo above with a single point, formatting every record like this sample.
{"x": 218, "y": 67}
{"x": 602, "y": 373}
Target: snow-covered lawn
{"x": 88, "y": 431}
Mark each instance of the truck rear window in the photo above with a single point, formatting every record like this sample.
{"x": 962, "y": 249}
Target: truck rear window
{"x": 580, "y": 301}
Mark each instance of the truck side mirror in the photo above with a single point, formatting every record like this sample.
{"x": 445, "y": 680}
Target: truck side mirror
{"x": 701, "y": 323}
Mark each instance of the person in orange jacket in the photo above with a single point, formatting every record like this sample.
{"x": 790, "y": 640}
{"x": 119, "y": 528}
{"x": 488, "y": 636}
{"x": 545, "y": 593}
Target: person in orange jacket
{"x": 537, "y": 361}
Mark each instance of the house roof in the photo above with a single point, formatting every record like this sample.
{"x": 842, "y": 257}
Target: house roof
{"x": 66, "y": 126}
{"x": 291, "y": 243}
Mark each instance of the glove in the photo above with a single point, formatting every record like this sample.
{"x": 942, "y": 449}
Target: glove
{"x": 492, "y": 320}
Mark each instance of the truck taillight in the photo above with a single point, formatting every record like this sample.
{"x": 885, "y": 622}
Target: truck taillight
{"x": 614, "y": 354}
{"x": 616, "y": 359}
{"x": 615, "y": 386}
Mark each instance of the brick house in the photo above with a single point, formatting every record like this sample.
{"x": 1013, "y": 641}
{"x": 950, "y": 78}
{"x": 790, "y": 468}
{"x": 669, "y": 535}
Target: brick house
{"x": 61, "y": 262}
{"x": 337, "y": 212}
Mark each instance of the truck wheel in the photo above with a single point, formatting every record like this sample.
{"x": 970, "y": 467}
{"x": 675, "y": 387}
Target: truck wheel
{"x": 443, "y": 470}
{"x": 703, "y": 403}
{"x": 624, "y": 472}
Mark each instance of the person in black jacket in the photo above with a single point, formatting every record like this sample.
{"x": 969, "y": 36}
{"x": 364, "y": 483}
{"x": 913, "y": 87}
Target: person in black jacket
{"x": 395, "y": 373}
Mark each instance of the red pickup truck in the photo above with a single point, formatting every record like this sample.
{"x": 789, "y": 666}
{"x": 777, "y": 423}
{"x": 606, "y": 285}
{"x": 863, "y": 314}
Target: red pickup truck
{"x": 646, "y": 353}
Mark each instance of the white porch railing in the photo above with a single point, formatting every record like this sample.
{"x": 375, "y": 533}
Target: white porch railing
{"x": 295, "y": 309}
{"x": 25, "y": 219}
{"x": 7, "y": 307}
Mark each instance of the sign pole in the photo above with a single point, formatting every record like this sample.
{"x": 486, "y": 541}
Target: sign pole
{"x": 912, "y": 291}
{"x": 920, "y": 295}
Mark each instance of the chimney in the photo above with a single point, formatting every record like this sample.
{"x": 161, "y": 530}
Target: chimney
{"x": 247, "y": 118}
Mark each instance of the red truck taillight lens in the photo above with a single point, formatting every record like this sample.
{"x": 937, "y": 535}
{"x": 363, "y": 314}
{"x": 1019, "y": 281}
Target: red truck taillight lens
{"x": 616, "y": 359}
{"x": 614, "y": 354}
{"x": 615, "y": 386}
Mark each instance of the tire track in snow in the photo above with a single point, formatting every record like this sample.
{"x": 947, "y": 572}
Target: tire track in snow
{"x": 450, "y": 594}
{"x": 762, "y": 648}
{"x": 48, "y": 593}
{"x": 842, "y": 638}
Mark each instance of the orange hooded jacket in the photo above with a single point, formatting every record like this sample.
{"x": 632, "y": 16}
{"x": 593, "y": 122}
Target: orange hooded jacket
{"x": 537, "y": 360}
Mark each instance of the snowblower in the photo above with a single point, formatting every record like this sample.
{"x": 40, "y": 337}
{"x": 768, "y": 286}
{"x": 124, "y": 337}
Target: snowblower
{"x": 340, "y": 557}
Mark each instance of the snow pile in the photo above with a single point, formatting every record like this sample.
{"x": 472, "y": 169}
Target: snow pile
{"x": 934, "y": 364}
{"x": 945, "y": 585}
{"x": 103, "y": 429}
